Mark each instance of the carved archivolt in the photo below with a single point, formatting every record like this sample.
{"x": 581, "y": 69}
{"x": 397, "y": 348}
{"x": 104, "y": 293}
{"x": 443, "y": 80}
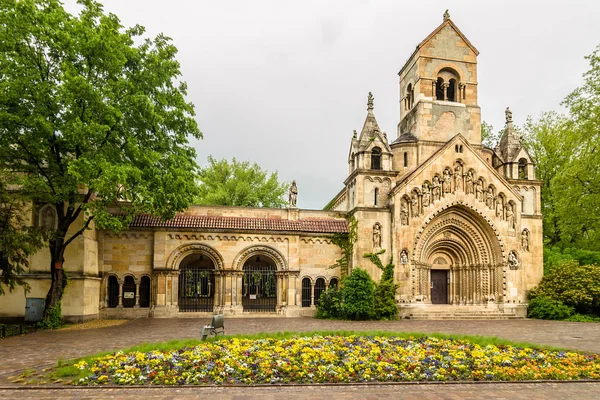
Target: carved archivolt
{"x": 274, "y": 254}
{"x": 316, "y": 240}
{"x": 469, "y": 224}
{"x": 182, "y": 251}
{"x": 128, "y": 235}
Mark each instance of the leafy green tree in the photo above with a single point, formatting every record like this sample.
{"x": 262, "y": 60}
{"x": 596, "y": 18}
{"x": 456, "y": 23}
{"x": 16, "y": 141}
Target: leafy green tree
{"x": 18, "y": 239}
{"x": 489, "y": 138}
{"x": 358, "y": 293}
{"x": 239, "y": 183}
{"x": 384, "y": 302}
{"x": 91, "y": 115}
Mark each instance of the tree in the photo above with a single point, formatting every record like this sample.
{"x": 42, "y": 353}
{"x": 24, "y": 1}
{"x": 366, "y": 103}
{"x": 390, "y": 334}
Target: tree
{"x": 239, "y": 183}
{"x": 91, "y": 115}
{"x": 17, "y": 240}
{"x": 489, "y": 138}
{"x": 358, "y": 293}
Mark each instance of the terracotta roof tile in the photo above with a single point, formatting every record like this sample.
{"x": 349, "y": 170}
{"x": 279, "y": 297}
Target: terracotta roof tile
{"x": 182, "y": 221}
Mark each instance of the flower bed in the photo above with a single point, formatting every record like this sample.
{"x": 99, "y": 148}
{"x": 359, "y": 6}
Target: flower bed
{"x": 322, "y": 359}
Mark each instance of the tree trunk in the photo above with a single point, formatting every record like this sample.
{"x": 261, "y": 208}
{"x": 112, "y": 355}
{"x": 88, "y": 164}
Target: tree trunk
{"x": 59, "y": 278}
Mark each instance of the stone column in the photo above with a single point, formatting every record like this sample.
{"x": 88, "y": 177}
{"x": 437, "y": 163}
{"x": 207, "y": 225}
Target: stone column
{"x": 312, "y": 293}
{"x": 137, "y": 293}
{"x": 445, "y": 86}
{"x": 120, "y": 294}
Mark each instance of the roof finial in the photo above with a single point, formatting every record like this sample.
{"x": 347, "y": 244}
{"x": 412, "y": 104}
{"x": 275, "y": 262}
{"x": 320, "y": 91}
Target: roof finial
{"x": 354, "y": 135}
{"x": 370, "y": 102}
{"x": 446, "y": 15}
{"x": 508, "y": 114}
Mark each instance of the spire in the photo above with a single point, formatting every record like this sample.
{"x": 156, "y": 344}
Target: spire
{"x": 510, "y": 142}
{"x": 446, "y": 16}
{"x": 370, "y": 99}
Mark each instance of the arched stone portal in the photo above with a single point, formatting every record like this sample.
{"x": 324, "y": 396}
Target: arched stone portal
{"x": 458, "y": 259}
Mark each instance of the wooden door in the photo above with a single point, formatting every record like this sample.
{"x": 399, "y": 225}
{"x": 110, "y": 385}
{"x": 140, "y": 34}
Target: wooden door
{"x": 439, "y": 286}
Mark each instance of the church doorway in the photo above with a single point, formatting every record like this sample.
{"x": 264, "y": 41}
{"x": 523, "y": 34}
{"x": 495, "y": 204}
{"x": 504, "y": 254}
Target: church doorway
{"x": 196, "y": 284}
{"x": 439, "y": 286}
{"x": 259, "y": 285}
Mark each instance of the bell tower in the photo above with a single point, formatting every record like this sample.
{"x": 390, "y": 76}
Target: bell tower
{"x": 438, "y": 88}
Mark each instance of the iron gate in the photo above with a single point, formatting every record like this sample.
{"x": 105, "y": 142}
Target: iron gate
{"x": 306, "y": 288}
{"x": 196, "y": 288}
{"x": 259, "y": 287}
{"x": 319, "y": 288}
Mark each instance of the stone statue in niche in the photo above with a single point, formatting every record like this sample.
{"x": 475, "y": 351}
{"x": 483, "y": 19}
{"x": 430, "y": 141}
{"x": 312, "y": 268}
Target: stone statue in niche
{"x": 489, "y": 199}
{"x": 426, "y": 195}
{"x": 525, "y": 240}
{"x": 403, "y": 257}
{"x": 513, "y": 261}
{"x": 458, "y": 178}
{"x": 435, "y": 188}
{"x": 479, "y": 190}
{"x": 414, "y": 205}
{"x": 470, "y": 185}
{"x": 293, "y": 194}
{"x": 403, "y": 213}
{"x": 48, "y": 219}
{"x": 510, "y": 216}
{"x": 447, "y": 181}
{"x": 499, "y": 207}
{"x": 377, "y": 236}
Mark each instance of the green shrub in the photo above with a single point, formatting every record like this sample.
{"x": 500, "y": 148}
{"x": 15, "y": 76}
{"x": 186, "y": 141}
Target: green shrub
{"x": 543, "y": 307}
{"x": 575, "y": 285}
{"x": 54, "y": 319}
{"x": 384, "y": 303}
{"x": 330, "y": 304}
{"x": 583, "y": 318}
{"x": 556, "y": 257}
{"x": 358, "y": 294}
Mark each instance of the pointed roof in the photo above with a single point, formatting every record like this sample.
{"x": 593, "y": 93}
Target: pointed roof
{"x": 510, "y": 145}
{"x": 371, "y": 131}
{"x": 447, "y": 22}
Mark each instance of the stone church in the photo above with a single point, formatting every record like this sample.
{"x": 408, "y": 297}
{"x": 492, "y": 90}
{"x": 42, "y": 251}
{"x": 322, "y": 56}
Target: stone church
{"x": 462, "y": 222}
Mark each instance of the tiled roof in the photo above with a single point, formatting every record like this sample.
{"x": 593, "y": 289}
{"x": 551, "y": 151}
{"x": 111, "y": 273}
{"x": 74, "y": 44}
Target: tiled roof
{"x": 182, "y": 221}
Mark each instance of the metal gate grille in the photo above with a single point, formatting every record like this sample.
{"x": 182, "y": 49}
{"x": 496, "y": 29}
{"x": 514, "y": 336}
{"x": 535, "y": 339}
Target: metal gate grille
{"x": 196, "y": 288}
{"x": 259, "y": 287}
{"x": 306, "y": 292}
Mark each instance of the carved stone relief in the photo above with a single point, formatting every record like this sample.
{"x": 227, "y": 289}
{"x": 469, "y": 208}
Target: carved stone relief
{"x": 414, "y": 205}
{"x": 377, "y": 236}
{"x": 479, "y": 190}
{"x": 470, "y": 185}
{"x": 48, "y": 219}
{"x": 404, "y": 257}
{"x": 447, "y": 181}
{"x": 489, "y": 198}
{"x": 499, "y": 207}
{"x": 525, "y": 240}
{"x": 403, "y": 212}
{"x": 510, "y": 216}
{"x": 426, "y": 195}
{"x": 458, "y": 178}
{"x": 513, "y": 261}
{"x": 436, "y": 191}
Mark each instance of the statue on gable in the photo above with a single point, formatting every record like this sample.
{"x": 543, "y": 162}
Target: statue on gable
{"x": 499, "y": 207}
{"x": 508, "y": 114}
{"x": 479, "y": 190}
{"x": 426, "y": 195}
{"x": 489, "y": 199}
{"x": 470, "y": 185}
{"x": 447, "y": 181}
{"x": 414, "y": 204}
{"x": 293, "y": 195}
{"x": 510, "y": 216}
{"x": 435, "y": 188}
{"x": 458, "y": 178}
{"x": 403, "y": 213}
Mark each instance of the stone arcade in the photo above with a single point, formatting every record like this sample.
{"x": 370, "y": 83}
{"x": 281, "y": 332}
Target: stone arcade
{"x": 462, "y": 221}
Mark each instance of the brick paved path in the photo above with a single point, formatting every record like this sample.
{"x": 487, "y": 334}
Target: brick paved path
{"x": 516, "y": 391}
{"x": 45, "y": 348}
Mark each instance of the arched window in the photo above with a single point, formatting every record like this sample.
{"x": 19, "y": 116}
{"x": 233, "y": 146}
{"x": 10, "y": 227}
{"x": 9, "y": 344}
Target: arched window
{"x": 113, "y": 292}
{"x": 439, "y": 89}
{"x": 376, "y": 158}
{"x": 306, "y": 289}
{"x": 319, "y": 288}
{"x": 522, "y": 168}
{"x": 333, "y": 283}
{"x": 352, "y": 161}
{"x": 451, "y": 91}
{"x": 145, "y": 291}
{"x": 375, "y": 195}
{"x": 259, "y": 285}
{"x": 405, "y": 159}
{"x": 410, "y": 96}
{"x": 129, "y": 291}
{"x": 196, "y": 283}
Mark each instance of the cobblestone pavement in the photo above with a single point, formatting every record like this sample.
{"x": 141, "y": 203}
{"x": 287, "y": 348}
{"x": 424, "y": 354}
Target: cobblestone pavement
{"x": 517, "y": 391}
{"x": 46, "y": 347}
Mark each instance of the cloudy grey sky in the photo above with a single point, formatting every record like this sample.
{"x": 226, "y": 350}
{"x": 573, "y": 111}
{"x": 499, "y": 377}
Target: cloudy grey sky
{"x": 284, "y": 83}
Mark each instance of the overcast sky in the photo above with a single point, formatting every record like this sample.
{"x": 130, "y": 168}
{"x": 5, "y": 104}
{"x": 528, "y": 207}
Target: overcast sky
{"x": 284, "y": 83}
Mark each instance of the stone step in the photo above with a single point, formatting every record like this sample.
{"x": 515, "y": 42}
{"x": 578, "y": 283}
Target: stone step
{"x": 463, "y": 315}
